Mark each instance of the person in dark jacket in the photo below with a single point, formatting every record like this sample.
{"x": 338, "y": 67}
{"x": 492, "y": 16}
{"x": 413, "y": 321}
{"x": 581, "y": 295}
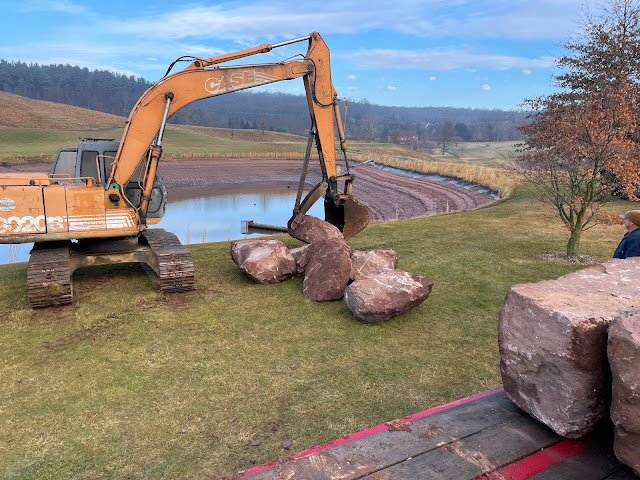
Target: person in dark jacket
{"x": 630, "y": 244}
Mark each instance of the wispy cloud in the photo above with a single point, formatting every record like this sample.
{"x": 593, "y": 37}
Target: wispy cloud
{"x": 485, "y": 87}
{"x": 62, "y": 6}
{"x": 432, "y": 78}
{"x": 284, "y": 18}
{"x": 391, "y": 88}
{"x": 442, "y": 60}
{"x": 351, "y": 77}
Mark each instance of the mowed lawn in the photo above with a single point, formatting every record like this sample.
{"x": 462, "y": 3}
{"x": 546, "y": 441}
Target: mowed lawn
{"x": 130, "y": 383}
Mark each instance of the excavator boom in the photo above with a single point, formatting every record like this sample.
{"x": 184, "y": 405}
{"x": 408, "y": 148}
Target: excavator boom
{"x": 103, "y": 194}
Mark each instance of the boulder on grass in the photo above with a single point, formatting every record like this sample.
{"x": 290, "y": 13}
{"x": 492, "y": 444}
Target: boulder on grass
{"x": 327, "y": 273}
{"x": 312, "y": 229}
{"x": 389, "y": 293}
{"x": 623, "y": 350}
{"x": 369, "y": 262}
{"x": 264, "y": 261}
{"x": 552, "y": 338}
{"x": 301, "y": 255}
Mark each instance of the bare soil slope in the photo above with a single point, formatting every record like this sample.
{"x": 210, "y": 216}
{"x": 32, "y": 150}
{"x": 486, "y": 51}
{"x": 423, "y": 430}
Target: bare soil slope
{"x": 387, "y": 195}
{"x": 22, "y": 112}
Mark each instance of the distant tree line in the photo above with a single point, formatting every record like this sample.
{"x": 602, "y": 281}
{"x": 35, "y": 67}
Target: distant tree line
{"x": 97, "y": 90}
{"x": 117, "y": 93}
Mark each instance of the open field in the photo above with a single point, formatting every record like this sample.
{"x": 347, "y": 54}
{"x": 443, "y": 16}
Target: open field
{"x": 128, "y": 382}
{"x": 487, "y": 153}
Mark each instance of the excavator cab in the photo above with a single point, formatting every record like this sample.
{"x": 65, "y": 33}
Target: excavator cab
{"x": 93, "y": 158}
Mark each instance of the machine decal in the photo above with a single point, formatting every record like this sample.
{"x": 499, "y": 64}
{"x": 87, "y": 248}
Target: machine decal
{"x": 238, "y": 80}
{"x": 26, "y": 224}
{"x": 102, "y": 222}
{"x": 56, "y": 224}
{"x": 7, "y": 204}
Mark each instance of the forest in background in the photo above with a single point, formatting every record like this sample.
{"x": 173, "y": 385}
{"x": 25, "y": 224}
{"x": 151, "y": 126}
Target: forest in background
{"x": 115, "y": 93}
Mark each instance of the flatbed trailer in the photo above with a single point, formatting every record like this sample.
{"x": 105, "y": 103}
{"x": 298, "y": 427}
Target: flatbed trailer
{"x": 480, "y": 437}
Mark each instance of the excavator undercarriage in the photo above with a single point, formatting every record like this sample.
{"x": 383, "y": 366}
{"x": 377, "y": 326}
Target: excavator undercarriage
{"x": 52, "y": 264}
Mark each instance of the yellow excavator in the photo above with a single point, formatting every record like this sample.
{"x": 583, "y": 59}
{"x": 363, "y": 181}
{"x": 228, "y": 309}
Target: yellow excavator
{"x": 95, "y": 205}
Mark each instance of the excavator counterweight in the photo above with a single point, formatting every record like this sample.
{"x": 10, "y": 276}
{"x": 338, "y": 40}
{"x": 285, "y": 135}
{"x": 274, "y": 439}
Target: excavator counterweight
{"x": 95, "y": 206}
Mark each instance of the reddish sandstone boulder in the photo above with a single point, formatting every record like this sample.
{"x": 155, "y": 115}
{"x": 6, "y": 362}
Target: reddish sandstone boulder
{"x": 327, "y": 273}
{"x": 312, "y": 229}
{"x": 623, "y": 350}
{"x": 301, "y": 255}
{"x": 552, "y": 338}
{"x": 389, "y": 293}
{"x": 373, "y": 261}
{"x": 264, "y": 261}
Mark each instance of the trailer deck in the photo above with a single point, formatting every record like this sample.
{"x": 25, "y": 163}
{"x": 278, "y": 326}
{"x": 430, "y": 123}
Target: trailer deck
{"x": 480, "y": 437}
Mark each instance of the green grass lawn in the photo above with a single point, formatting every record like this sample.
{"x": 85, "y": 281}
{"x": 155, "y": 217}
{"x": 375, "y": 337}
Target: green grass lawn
{"x": 18, "y": 144}
{"x": 130, "y": 383}
{"x": 488, "y": 153}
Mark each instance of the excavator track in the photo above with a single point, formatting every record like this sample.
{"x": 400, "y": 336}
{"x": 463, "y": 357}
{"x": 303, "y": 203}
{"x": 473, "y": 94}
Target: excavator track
{"x": 174, "y": 262}
{"x": 48, "y": 276}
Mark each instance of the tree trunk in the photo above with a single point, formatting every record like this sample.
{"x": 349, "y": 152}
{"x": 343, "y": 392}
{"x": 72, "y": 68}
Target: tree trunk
{"x": 573, "y": 247}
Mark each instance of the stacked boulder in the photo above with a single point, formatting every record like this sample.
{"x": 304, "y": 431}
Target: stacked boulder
{"x": 553, "y": 336}
{"x": 378, "y": 291}
{"x": 624, "y": 358}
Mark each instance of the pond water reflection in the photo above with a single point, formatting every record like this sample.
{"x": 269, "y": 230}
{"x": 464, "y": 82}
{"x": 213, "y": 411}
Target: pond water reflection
{"x": 207, "y": 219}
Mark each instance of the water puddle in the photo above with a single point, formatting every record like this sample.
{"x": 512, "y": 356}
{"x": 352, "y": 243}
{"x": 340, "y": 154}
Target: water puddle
{"x": 208, "y": 219}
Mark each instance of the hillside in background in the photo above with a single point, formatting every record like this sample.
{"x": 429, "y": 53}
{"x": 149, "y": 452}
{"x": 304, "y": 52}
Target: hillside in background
{"x": 112, "y": 93}
{"x": 21, "y": 112}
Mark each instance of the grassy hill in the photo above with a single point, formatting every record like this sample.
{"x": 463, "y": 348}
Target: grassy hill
{"x": 21, "y": 112}
{"x": 35, "y": 129}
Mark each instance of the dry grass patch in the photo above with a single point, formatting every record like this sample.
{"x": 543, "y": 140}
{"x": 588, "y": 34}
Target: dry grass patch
{"x": 22, "y": 112}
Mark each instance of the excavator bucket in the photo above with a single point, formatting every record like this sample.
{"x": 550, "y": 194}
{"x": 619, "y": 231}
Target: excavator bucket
{"x": 350, "y": 217}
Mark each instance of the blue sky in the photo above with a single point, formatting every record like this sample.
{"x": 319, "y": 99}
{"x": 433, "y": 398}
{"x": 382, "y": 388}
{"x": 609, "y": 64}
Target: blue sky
{"x": 461, "y": 53}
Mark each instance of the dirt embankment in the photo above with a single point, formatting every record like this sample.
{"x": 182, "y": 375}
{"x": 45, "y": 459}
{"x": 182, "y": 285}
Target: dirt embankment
{"x": 387, "y": 195}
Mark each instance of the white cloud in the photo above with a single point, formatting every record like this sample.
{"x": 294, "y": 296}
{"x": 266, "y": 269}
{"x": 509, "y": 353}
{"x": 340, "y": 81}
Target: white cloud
{"x": 485, "y": 87}
{"x": 351, "y": 77}
{"x": 526, "y": 71}
{"x": 441, "y": 60}
{"x": 391, "y": 88}
{"x": 433, "y": 18}
{"x": 352, "y": 89}
{"x": 432, "y": 78}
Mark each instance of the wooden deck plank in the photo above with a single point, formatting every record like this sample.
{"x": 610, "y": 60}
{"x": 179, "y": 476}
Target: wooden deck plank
{"x": 478, "y": 454}
{"x": 625, "y": 474}
{"x": 402, "y": 440}
{"x": 597, "y": 463}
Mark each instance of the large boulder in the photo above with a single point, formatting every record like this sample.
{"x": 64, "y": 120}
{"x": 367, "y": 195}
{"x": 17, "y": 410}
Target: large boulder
{"x": 389, "y": 293}
{"x": 552, "y": 339}
{"x": 623, "y": 350}
{"x": 301, "y": 255}
{"x": 264, "y": 261}
{"x": 312, "y": 229}
{"x": 327, "y": 273}
{"x": 373, "y": 261}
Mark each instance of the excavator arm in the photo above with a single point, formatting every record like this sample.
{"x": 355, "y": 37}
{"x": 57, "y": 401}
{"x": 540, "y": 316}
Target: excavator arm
{"x": 142, "y": 138}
